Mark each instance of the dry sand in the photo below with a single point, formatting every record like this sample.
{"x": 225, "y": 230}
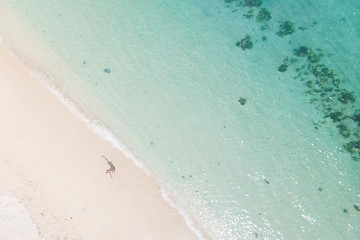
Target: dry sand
{"x": 50, "y": 161}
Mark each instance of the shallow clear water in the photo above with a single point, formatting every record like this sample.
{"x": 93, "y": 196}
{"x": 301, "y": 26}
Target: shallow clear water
{"x": 168, "y": 79}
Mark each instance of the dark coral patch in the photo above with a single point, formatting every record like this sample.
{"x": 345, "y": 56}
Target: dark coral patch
{"x": 343, "y": 130}
{"x": 242, "y": 101}
{"x": 309, "y": 84}
{"x": 245, "y": 43}
{"x": 313, "y": 57}
{"x": 264, "y": 27}
{"x": 283, "y": 67}
{"x": 346, "y": 97}
{"x": 252, "y": 3}
{"x": 336, "y": 116}
{"x": 286, "y": 28}
{"x": 323, "y": 74}
{"x": 302, "y": 51}
{"x": 249, "y": 14}
{"x": 264, "y": 15}
{"x": 353, "y": 147}
{"x": 357, "y": 208}
{"x": 314, "y": 23}
{"x": 356, "y": 118}
{"x": 286, "y": 63}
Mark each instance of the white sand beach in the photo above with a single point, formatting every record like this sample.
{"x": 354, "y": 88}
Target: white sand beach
{"x": 52, "y": 163}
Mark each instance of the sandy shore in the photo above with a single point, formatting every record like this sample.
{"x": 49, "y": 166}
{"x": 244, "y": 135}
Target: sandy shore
{"x": 50, "y": 161}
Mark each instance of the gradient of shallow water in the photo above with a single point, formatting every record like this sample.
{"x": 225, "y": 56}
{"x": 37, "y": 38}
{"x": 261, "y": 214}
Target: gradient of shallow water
{"x": 167, "y": 79}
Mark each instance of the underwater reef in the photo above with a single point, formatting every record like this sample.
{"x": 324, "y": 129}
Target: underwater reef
{"x": 336, "y": 102}
{"x": 264, "y": 15}
{"x": 242, "y": 101}
{"x": 286, "y": 28}
{"x": 245, "y": 43}
{"x": 323, "y": 85}
{"x": 252, "y": 3}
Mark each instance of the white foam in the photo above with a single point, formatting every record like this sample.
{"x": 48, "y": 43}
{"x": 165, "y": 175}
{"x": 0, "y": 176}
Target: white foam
{"x": 94, "y": 124}
{"x": 187, "y": 218}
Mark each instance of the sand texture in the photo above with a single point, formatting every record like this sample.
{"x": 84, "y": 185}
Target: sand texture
{"x": 52, "y": 163}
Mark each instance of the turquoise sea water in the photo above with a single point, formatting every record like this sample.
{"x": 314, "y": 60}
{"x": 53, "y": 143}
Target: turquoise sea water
{"x": 253, "y": 137}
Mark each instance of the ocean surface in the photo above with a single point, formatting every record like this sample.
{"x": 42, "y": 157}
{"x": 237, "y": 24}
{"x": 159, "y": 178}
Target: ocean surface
{"x": 246, "y": 112}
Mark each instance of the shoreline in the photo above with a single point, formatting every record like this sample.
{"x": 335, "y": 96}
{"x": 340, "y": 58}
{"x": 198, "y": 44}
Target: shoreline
{"x": 60, "y": 177}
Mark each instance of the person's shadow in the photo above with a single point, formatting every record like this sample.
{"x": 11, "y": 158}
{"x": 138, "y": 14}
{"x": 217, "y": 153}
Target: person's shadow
{"x": 112, "y": 167}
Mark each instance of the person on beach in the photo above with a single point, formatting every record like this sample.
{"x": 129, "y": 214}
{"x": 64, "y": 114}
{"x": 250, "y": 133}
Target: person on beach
{"x": 111, "y": 170}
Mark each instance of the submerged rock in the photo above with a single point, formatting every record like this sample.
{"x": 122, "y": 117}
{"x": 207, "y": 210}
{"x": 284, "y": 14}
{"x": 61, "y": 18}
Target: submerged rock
{"x": 245, "y": 43}
{"x": 357, "y": 208}
{"x": 283, "y": 67}
{"x": 316, "y": 125}
{"x": 264, "y": 15}
{"x": 242, "y": 101}
{"x": 286, "y": 28}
